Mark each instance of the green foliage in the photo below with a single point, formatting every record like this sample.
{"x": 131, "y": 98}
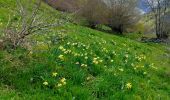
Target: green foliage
{"x": 74, "y": 62}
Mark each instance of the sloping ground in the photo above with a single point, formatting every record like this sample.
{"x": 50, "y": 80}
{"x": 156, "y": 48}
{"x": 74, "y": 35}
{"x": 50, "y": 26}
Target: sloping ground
{"x": 74, "y": 62}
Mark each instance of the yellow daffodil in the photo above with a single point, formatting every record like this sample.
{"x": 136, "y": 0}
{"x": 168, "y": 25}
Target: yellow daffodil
{"x": 144, "y": 73}
{"x": 96, "y": 62}
{"x": 100, "y": 61}
{"x": 61, "y": 47}
{"x": 129, "y": 85}
{"x": 77, "y": 63}
{"x": 59, "y": 85}
{"x": 54, "y": 74}
{"x": 121, "y": 69}
{"x": 86, "y": 57}
{"x": 64, "y": 83}
{"x": 88, "y": 78}
{"x": 45, "y": 83}
{"x": 61, "y": 57}
{"x": 68, "y": 43}
{"x": 83, "y": 65}
{"x": 63, "y": 80}
{"x": 126, "y": 55}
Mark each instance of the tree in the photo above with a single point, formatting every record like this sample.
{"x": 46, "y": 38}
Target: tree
{"x": 158, "y": 8}
{"x": 122, "y": 13}
{"x": 167, "y": 23}
{"x": 28, "y": 23}
{"x": 66, "y": 5}
{"x": 94, "y": 12}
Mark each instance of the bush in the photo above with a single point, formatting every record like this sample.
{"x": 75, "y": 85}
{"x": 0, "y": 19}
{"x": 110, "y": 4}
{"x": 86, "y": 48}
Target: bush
{"x": 122, "y": 14}
{"x": 93, "y": 14}
{"x": 26, "y": 23}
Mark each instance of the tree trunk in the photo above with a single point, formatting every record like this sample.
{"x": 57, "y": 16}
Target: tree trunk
{"x": 118, "y": 29}
{"x": 92, "y": 25}
{"x": 1, "y": 44}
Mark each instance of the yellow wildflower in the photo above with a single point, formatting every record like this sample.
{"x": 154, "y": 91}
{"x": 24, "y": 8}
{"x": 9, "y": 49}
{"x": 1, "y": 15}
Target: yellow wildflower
{"x": 86, "y": 57}
{"x": 54, "y": 74}
{"x": 45, "y": 83}
{"x": 61, "y": 57}
{"x": 100, "y": 61}
{"x": 59, "y": 85}
{"x": 96, "y": 62}
{"x": 61, "y": 47}
{"x": 144, "y": 73}
{"x": 77, "y": 63}
{"x": 64, "y": 83}
{"x": 129, "y": 85}
{"x": 126, "y": 55}
{"x": 88, "y": 78}
{"x": 121, "y": 69}
{"x": 63, "y": 80}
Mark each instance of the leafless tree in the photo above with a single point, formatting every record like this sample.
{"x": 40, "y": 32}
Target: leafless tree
{"x": 29, "y": 23}
{"x": 66, "y": 5}
{"x": 122, "y": 13}
{"x": 158, "y": 9}
{"x": 94, "y": 12}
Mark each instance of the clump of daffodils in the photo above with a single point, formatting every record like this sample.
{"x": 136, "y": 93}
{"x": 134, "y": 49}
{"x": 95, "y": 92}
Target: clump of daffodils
{"x": 83, "y": 65}
{"x": 62, "y": 48}
{"x": 114, "y": 53}
{"x": 62, "y": 82}
{"x": 129, "y": 85}
{"x": 74, "y": 44}
{"x": 137, "y": 67}
{"x": 97, "y": 60}
{"x": 152, "y": 66}
{"x": 76, "y": 54}
{"x": 59, "y": 85}
{"x": 141, "y": 57}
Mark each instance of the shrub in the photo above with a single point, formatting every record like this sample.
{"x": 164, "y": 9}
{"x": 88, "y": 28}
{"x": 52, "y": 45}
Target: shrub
{"x": 26, "y": 23}
{"x": 94, "y": 12}
{"x": 122, "y": 14}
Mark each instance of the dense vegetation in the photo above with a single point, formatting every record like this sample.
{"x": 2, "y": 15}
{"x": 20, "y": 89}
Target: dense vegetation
{"x": 75, "y": 62}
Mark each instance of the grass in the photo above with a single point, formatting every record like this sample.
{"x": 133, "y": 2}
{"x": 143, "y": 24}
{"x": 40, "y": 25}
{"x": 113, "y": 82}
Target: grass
{"x": 96, "y": 65}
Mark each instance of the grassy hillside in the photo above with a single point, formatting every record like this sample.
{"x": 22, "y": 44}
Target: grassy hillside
{"x": 77, "y": 63}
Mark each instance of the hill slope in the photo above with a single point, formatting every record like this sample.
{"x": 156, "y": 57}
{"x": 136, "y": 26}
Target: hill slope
{"x": 75, "y": 62}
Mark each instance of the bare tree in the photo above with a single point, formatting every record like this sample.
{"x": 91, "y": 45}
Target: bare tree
{"x": 166, "y": 21}
{"x": 29, "y": 23}
{"x": 158, "y": 9}
{"x": 122, "y": 13}
{"x": 66, "y": 5}
{"x": 94, "y": 12}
